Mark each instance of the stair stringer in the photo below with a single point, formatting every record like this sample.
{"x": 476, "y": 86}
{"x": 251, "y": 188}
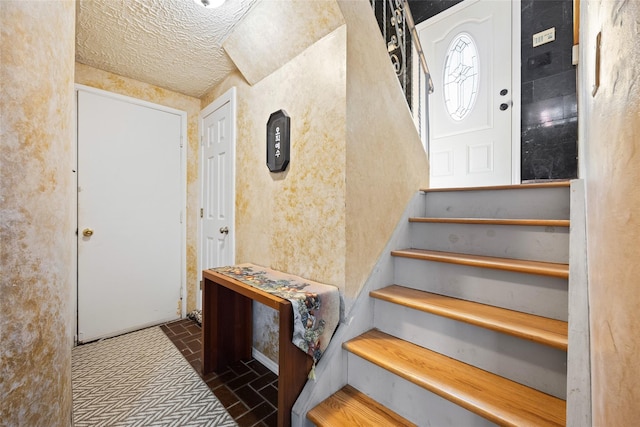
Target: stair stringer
{"x": 579, "y": 352}
{"x": 331, "y": 370}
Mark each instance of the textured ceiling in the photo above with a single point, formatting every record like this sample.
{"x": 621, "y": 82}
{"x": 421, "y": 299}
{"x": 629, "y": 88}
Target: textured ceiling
{"x": 174, "y": 44}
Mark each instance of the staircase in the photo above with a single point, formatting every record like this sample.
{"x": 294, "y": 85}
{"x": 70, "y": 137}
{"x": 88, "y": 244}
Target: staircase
{"x": 473, "y": 331}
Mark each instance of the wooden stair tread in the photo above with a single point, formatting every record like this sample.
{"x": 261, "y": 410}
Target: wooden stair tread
{"x": 553, "y": 184}
{"x": 493, "y": 397}
{"x": 551, "y": 332}
{"x": 350, "y": 407}
{"x": 494, "y": 221}
{"x": 508, "y": 264}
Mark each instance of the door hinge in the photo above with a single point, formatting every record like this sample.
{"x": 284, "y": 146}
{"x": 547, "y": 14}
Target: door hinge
{"x": 181, "y": 141}
{"x": 201, "y": 212}
{"x": 180, "y": 217}
{"x": 202, "y": 140}
{"x": 201, "y": 284}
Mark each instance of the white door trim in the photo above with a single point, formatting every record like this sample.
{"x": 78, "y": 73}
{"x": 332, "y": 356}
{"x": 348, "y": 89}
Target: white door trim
{"x": 228, "y": 97}
{"x": 183, "y": 186}
{"x": 516, "y": 89}
{"x": 516, "y": 80}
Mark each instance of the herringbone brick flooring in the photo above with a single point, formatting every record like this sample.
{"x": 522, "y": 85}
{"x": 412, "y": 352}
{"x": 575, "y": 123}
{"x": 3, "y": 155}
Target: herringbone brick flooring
{"x": 247, "y": 389}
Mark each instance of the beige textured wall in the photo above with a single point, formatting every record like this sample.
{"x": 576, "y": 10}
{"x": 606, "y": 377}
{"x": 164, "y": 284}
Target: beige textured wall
{"x": 104, "y": 80}
{"x": 386, "y": 163}
{"x": 610, "y": 123}
{"x": 356, "y": 159}
{"x": 275, "y": 32}
{"x": 293, "y": 221}
{"x": 36, "y": 234}
{"x": 384, "y": 160}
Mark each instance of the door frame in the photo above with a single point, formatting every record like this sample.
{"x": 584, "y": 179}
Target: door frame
{"x": 228, "y": 97}
{"x": 516, "y": 81}
{"x": 183, "y": 186}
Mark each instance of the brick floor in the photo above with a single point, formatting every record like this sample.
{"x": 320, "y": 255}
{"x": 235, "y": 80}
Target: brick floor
{"x": 247, "y": 389}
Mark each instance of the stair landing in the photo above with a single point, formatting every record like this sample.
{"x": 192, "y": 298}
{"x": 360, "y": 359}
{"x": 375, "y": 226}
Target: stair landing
{"x": 552, "y": 184}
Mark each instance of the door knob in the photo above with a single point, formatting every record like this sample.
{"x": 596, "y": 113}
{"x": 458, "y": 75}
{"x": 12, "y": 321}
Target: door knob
{"x": 504, "y": 106}
{"x": 87, "y": 232}
{"x": 224, "y": 230}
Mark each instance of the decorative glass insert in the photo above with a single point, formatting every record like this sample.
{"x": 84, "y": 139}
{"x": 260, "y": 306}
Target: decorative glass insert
{"x": 461, "y": 76}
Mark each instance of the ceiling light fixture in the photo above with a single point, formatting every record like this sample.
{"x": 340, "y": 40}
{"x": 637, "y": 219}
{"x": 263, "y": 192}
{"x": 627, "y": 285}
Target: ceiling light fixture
{"x": 210, "y": 4}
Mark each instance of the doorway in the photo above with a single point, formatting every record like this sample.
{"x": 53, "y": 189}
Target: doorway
{"x": 218, "y": 136}
{"x": 131, "y": 213}
{"x": 474, "y": 121}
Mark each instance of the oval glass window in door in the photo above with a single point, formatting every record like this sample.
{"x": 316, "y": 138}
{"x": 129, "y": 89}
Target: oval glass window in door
{"x": 460, "y": 76}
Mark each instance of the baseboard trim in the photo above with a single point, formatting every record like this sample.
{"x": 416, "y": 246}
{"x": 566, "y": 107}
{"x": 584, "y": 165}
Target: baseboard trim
{"x": 273, "y": 366}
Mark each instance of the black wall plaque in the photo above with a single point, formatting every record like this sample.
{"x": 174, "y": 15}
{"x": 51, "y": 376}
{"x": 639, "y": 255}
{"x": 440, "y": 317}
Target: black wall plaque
{"x": 278, "y": 143}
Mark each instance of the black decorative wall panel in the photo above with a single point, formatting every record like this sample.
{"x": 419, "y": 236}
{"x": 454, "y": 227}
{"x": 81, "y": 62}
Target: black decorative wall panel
{"x": 549, "y": 104}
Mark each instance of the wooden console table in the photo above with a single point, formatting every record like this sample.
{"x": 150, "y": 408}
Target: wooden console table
{"x": 227, "y": 335}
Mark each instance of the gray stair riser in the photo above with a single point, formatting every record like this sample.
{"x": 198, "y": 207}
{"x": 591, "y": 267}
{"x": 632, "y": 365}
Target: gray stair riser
{"x": 532, "y": 203}
{"x": 529, "y": 293}
{"x": 532, "y": 364}
{"x": 416, "y": 404}
{"x": 534, "y": 243}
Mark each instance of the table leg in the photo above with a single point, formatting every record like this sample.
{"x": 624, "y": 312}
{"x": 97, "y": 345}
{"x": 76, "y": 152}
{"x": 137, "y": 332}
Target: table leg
{"x": 294, "y": 366}
{"x": 227, "y": 329}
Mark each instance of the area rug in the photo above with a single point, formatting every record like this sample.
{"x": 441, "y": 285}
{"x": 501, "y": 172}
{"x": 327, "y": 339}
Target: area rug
{"x": 140, "y": 379}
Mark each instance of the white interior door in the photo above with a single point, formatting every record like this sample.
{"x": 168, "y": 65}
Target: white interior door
{"x": 469, "y": 52}
{"x": 218, "y": 189}
{"x": 130, "y": 201}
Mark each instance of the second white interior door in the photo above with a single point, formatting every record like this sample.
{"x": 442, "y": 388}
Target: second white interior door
{"x": 218, "y": 140}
